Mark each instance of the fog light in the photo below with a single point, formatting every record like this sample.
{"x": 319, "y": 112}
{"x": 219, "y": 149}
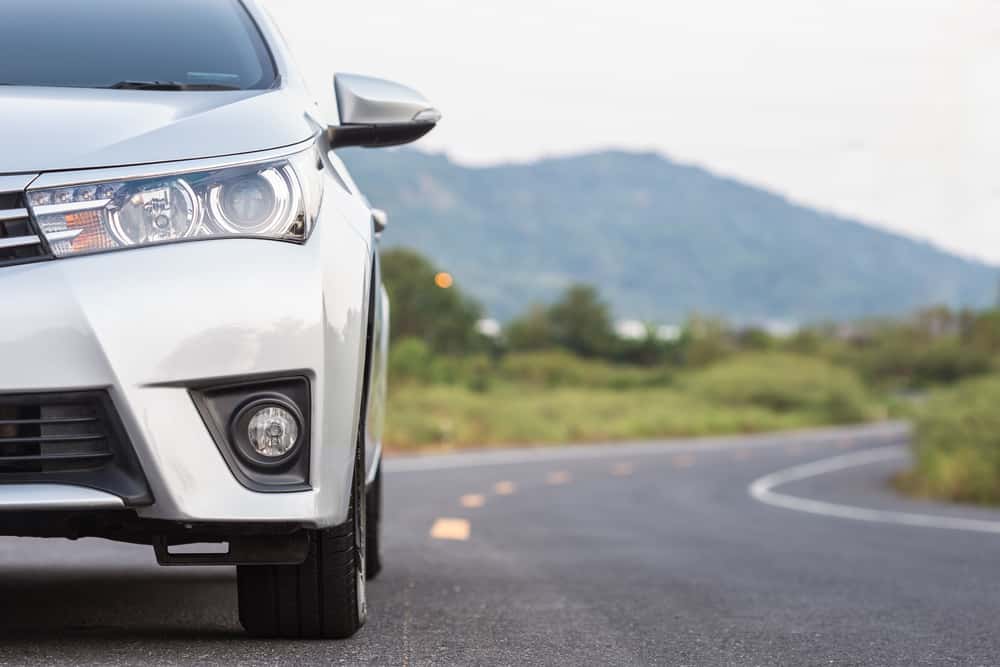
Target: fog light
{"x": 273, "y": 431}
{"x": 262, "y": 429}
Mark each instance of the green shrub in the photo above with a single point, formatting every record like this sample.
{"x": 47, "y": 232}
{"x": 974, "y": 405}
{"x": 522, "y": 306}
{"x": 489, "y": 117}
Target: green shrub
{"x": 957, "y": 444}
{"x": 557, "y": 368}
{"x": 479, "y": 374}
{"x": 786, "y": 383}
{"x": 411, "y": 359}
{"x": 896, "y": 363}
{"x": 950, "y": 362}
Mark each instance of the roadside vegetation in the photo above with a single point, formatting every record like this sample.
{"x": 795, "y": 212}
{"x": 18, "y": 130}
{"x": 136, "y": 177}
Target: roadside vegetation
{"x": 561, "y": 373}
{"x": 957, "y": 447}
{"x": 536, "y": 398}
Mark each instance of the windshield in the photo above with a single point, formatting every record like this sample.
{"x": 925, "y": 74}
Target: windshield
{"x": 209, "y": 44}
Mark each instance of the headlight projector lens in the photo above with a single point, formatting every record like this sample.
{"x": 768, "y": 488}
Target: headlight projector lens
{"x": 255, "y": 203}
{"x": 267, "y": 431}
{"x": 249, "y": 201}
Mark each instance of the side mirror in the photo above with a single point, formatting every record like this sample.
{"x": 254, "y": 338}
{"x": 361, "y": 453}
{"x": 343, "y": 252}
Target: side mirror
{"x": 380, "y": 219}
{"x": 376, "y": 113}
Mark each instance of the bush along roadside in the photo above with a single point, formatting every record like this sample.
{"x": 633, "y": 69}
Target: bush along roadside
{"x": 957, "y": 444}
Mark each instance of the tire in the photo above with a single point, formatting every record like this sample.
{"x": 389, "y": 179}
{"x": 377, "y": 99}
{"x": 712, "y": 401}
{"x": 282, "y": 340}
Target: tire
{"x": 373, "y": 531}
{"x": 324, "y": 597}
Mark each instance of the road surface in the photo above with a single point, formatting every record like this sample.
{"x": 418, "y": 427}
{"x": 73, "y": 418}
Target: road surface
{"x": 747, "y": 551}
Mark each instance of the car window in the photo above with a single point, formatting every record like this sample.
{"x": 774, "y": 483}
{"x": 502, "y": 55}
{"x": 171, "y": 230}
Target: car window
{"x": 100, "y": 43}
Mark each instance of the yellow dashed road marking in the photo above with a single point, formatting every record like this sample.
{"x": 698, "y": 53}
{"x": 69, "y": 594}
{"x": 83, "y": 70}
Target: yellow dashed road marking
{"x": 622, "y": 470}
{"x": 451, "y": 529}
{"x": 505, "y": 488}
{"x": 558, "y": 478}
{"x": 845, "y": 444}
{"x": 684, "y": 461}
{"x": 473, "y": 501}
{"x": 793, "y": 450}
{"x": 742, "y": 455}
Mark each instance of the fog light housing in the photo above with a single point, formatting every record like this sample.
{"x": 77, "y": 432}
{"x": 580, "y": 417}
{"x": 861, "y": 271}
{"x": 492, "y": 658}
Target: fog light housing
{"x": 261, "y": 426}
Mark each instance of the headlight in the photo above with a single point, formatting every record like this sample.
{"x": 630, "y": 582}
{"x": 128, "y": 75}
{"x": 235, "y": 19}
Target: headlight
{"x": 273, "y": 200}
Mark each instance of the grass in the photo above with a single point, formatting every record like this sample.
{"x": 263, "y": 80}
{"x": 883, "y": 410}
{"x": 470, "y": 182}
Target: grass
{"x": 448, "y": 417}
{"x": 552, "y": 398}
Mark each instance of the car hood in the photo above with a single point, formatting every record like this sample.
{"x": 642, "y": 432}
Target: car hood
{"x": 54, "y": 129}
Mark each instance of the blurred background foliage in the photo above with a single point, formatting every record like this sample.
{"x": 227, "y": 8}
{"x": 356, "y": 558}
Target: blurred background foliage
{"x": 957, "y": 444}
{"x": 561, "y": 372}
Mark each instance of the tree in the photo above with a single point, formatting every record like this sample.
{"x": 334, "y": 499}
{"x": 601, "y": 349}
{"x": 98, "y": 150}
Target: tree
{"x": 650, "y": 350}
{"x": 705, "y": 341}
{"x": 532, "y": 331}
{"x": 982, "y": 332}
{"x": 581, "y": 322}
{"x": 444, "y": 318}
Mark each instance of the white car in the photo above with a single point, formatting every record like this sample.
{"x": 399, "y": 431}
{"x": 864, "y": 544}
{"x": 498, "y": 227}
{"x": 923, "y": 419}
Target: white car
{"x": 193, "y": 328}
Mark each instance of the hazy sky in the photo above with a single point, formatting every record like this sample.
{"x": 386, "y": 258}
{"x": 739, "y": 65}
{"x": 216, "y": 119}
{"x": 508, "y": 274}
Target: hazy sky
{"x": 887, "y": 110}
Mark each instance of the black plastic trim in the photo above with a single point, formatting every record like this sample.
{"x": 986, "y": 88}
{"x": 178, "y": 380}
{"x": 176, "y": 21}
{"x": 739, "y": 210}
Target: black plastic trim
{"x": 124, "y": 525}
{"x": 42, "y": 252}
{"x": 243, "y": 550}
{"x": 120, "y": 475}
{"x": 377, "y": 136}
{"x": 219, "y": 403}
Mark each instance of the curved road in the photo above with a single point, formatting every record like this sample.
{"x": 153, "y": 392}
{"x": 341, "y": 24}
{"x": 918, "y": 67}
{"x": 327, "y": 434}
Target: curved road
{"x": 745, "y": 551}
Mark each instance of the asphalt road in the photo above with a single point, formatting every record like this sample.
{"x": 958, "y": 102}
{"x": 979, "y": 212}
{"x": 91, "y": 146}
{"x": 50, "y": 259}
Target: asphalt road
{"x": 661, "y": 554}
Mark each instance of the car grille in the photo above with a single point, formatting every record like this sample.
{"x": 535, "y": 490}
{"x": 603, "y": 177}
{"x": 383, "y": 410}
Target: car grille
{"x": 19, "y": 240}
{"x": 38, "y": 434}
{"x": 73, "y": 438}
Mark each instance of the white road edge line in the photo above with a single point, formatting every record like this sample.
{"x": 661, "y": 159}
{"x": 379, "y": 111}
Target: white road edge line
{"x": 875, "y": 433}
{"x": 763, "y": 490}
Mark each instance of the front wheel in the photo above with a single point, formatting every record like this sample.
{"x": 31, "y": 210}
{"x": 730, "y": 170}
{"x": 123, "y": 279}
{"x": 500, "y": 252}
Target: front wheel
{"x": 324, "y": 597}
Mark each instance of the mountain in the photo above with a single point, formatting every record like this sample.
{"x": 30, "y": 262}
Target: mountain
{"x": 659, "y": 239}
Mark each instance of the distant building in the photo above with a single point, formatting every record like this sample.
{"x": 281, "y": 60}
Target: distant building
{"x": 781, "y": 328}
{"x": 631, "y": 330}
{"x": 635, "y": 330}
{"x": 489, "y": 328}
{"x": 669, "y": 333}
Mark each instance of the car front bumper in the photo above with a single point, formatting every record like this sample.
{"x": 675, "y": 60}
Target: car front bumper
{"x": 147, "y": 324}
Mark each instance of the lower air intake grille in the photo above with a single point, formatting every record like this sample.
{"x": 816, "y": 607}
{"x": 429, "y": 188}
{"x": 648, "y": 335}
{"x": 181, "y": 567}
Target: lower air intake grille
{"x": 48, "y": 436}
{"x": 68, "y": 438}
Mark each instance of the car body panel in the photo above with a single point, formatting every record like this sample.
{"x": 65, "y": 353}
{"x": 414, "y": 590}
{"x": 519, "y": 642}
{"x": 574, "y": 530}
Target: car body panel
{"x": 54, "y": 497}
{"x": 55, "y": 129}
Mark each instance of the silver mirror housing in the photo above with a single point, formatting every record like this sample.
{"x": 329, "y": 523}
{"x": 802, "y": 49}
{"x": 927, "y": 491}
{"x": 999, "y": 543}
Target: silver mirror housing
{"x": 376, "y": 113}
